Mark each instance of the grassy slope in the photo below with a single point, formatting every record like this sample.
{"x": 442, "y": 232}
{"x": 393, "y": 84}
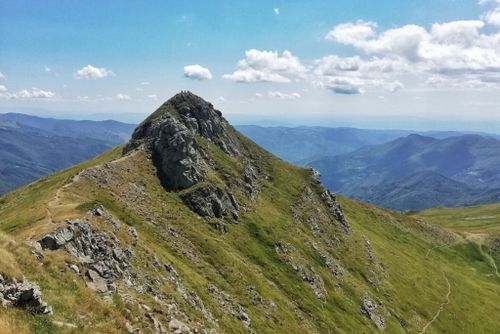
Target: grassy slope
{"x": 473, "y": 219}
{"x": 479, "y": 225}
{"x": 410, "y": 260}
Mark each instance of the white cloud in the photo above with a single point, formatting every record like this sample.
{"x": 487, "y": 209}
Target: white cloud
{"x": 492, "y": 17}
{"x": 455, "y": 49}
{"x": 220, "y": 99}
{"x": 2, "y": 76}
{"x": 47, "y": 69}
{"x": 122, "y": 97}
{"x": 145, "y": 83}
{"x": 283, "y": 96}
{"x": 197, "y": 72}
{"x": 259, "y": 95}
{"x": 485, "y": 2}
{"x": 277, "y": 11}
{"x": 91, "y": 72}
{"x": 353, "y": 75}
{"x": 352, "y": 33}
{"x": 153, "y": 97}
{"x": 267, "y": 66}
{"x": 34, "y": 93}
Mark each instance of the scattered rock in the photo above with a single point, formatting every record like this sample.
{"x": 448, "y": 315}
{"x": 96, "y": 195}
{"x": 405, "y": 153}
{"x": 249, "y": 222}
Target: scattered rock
{"x": 210, "y": 202}
{"x": 177, "y": 326}
{"x": 131, "y": 330}
{"x": 133, "y": 233}
{"x": 330, "y": 200}
{"x": 64, "y": 324}
{"x": 74, "y": 268}
{"x": 227, "y": 304}
{"x": 24, "y": 295}
{"x": 369, "y": 308}
{"x": 95, "y": 282}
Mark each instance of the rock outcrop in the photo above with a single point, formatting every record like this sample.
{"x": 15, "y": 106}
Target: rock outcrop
{"x": 97, "y": 251}
{"x": 171, "y": 134}
{"x": 23, "y": 294}
{"x": 370, "y": 309}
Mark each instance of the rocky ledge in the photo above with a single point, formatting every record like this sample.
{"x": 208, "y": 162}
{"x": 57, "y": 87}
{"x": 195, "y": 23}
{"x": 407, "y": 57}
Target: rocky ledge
{"x": 23, "y": 294}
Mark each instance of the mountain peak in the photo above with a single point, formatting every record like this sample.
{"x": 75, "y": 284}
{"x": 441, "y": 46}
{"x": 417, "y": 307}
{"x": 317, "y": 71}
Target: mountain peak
{"x": 198, "y": 153}
{"x": 174, "y": 136}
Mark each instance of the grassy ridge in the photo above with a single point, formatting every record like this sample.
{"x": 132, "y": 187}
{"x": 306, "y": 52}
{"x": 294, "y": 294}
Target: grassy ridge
{"x": 400, "y": 263}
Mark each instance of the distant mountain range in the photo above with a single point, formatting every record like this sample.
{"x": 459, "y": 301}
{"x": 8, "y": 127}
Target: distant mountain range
{"x": 32, "y": 147}
{"x": 397, "y": 169}
{"x": 417, "y": 172}
{"x": 302, "y": 145}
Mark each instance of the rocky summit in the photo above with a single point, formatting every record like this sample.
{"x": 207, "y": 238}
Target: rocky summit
{"x": 193, "y": 228}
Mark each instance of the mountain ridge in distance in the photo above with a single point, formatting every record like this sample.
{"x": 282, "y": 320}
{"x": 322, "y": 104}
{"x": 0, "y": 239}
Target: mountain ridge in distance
{"x": 32, "y": 147}
{"x": 370, "y": 172}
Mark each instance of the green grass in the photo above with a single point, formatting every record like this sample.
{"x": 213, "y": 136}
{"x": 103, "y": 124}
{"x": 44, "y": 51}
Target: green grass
{"x": 405, "y": 273}
{"x": 473, "y": 219}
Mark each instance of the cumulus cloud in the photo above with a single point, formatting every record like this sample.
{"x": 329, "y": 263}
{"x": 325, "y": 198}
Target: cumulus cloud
{"x": 34, "y": 93}
{"x": 197, "y": 72}
{"x": 353, "y": 75}
{"x": 3, "y": 89}
{"x": 277, "y": 11}
{"x": 283, "y": 96}
{"x": 267, "y": 66}
{"x": 455, "y": 49}
{"x": 492, "y": 17}
{"x": 91, "y": 72}
{"x": 352, "y": 33}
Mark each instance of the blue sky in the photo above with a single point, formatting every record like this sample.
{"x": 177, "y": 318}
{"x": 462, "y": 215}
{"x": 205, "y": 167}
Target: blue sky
{"x": 361, "y": 63}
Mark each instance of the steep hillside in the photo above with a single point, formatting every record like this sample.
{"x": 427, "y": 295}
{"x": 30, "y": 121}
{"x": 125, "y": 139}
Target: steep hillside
{"x": 466, "y": 166}
{"x": 192, "y": 228}
{"x": 32, "y": 147}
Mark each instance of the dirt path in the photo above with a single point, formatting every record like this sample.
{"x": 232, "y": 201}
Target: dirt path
{"x": 55, "y": 201}
{"x": 441, "y": 306}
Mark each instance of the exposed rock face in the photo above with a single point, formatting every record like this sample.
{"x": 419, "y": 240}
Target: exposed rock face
{"x": 331, "y": 202}
{"x": 24, "y": 294}
{"x": 369, "y": 308}
{"x": 171, "y": 137}
{"x": 208, "y": 202}
{"x": 178, "y": 138}
{"x": 177, "y": 157}
{"x": 97, "y": 250}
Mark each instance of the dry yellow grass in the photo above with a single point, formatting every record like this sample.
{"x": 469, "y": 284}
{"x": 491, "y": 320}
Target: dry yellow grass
{"x": 8, "y": 262}
{"x": 8, "y": 325}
